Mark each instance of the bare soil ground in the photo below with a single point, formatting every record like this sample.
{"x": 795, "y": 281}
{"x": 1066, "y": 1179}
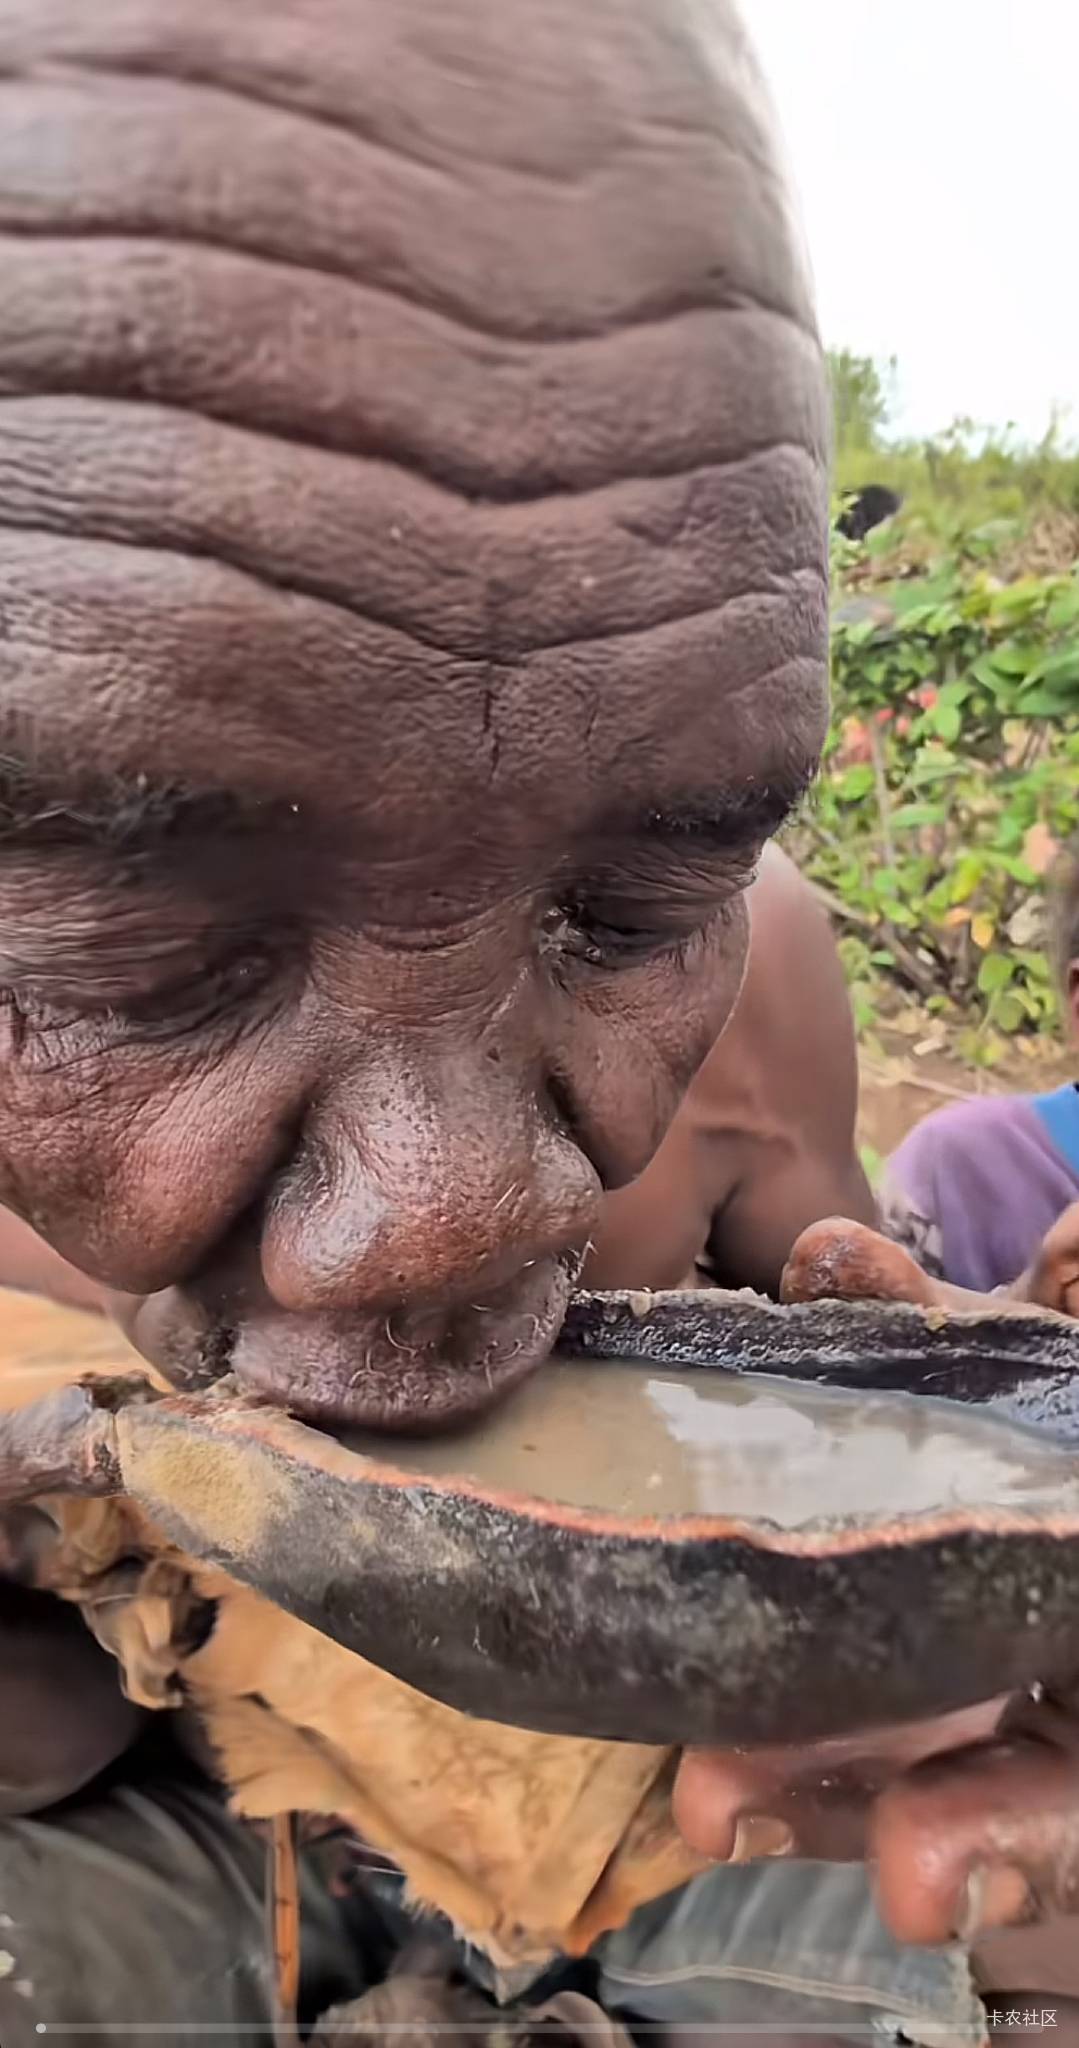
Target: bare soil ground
{"x": 899, "y": 1085}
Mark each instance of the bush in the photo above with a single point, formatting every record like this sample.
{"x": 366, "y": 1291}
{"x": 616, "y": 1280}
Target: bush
{"x": 951, "y": 775}
{"x": 961, "y": 478}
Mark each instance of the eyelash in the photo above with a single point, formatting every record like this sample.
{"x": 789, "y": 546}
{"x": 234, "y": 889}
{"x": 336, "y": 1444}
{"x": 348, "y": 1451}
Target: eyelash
{"x": 570, "y": 933}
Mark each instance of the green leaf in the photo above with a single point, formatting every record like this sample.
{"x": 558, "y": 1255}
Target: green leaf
{"x": 1010, "y": 661}
{"x": 1060, "y": 671}
{"x": 1017, "y": 869}
{"x": 872, "y": 1164}
{"x": 995, "y": 973}
{"x": 856, "y": 782}
{"x": 1040, "y": 703}
{"x": 856, "y": 631}
{"x": 986, "y": 672}
{"x": 1064, "y": 610}
{"x": 946, "y": 720}
{"x": 1007, "y": 1012}
{"x": 1016, "y": 598}
{"x": 884, "y": 882}
{"x": 967, "y": 876}
{"x": 909, "y": 815}
{"x": 863, "y": 1008}
{"x": 936, "y": 767}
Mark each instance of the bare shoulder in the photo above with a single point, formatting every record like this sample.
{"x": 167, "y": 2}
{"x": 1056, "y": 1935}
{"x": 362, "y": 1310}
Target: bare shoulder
{"x": 776, "y": 1102}
{"x": 785, "y": 913}
{"x": 791, "y": 1038}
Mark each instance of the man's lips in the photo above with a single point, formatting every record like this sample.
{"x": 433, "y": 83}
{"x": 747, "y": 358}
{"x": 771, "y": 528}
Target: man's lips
{"x": 414, "y": 1371}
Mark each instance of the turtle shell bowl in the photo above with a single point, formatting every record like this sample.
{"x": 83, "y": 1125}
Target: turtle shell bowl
{"x": 708, "y": 1519}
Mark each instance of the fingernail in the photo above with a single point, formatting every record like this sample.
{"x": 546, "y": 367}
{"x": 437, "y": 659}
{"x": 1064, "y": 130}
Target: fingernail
{"x": 995, "y": 1895}
{"x": 757, "y": 1835}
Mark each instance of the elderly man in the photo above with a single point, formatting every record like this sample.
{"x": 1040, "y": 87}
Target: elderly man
{"x": 412, "y": 481}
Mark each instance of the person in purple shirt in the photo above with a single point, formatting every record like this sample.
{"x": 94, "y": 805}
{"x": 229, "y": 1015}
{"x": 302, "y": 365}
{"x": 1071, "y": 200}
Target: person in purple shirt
{"x": 974, "y": 1190}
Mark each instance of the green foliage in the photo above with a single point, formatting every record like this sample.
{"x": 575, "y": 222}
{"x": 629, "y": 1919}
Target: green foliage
{"x": 860, "y": 399}
{"x": 951, "y": 774}
{"x": 963, "y": 480}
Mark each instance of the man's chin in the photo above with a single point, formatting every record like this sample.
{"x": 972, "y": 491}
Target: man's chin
{"x": 414, "y": 1371}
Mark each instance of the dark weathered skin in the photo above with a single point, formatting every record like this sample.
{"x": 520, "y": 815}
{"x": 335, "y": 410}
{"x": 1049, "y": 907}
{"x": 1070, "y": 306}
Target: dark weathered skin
{"x": 763, "y": 1142}
{"x": 761, "y": 1145}
{"x": 385, "y": 389}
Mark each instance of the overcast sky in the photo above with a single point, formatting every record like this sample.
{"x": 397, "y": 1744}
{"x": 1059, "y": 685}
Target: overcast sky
{"x": 935, "y": 144}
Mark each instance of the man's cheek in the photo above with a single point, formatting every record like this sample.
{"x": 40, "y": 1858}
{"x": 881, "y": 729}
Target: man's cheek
{"x": 641, "y": 1040}
{"x": 696, "y": 991}
{"x": 135, "y": 1180}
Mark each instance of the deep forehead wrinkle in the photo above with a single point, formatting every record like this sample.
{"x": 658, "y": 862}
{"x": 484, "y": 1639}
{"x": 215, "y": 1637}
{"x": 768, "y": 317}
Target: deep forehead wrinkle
{"x": 635, "y": 306}
{"x": 433, "y": 106}
{"x": 490, "y": 330}
{"x": 472, "y": 580}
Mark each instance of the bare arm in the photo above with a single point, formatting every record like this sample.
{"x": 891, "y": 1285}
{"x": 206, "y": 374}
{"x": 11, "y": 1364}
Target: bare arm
{"x": 777, "y": 1099}
{"x": 763, "y": 1142}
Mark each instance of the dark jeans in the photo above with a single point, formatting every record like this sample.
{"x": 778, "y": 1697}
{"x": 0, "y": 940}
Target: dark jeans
{"x": 137, "y": 1911}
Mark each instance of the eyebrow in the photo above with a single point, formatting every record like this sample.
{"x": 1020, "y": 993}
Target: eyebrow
{"x": 117, "y": 814}
{"x": 127, "y": 814}
{"x": 728, "y": 820}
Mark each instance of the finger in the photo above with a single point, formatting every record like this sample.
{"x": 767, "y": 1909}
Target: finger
{"x": 1053, "y": 1279}
{"x": 986, "y": 1837}
{"x": 737, "y": 1805}
{"x": 737, "y": 1809}
{"x": 841, "y": 1261}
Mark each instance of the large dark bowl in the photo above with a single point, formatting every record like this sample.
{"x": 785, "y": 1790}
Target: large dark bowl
{"x": 959, "y": 1582}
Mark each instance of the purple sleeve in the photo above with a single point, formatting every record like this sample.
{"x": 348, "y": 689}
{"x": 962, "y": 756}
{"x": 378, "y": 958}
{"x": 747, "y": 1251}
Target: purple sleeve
{"x": 973, "y": 1189}
{"x": 908, "y": 1203}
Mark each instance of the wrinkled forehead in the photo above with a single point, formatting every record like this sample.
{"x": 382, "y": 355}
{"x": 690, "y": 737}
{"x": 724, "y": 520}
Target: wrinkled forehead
{"x": 438, "y": 377}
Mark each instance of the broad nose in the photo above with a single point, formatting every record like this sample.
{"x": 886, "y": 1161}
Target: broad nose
{"x": 422, "y": 1180}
